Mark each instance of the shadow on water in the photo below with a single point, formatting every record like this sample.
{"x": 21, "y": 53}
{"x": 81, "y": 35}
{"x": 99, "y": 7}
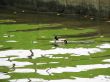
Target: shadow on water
{"x": 1, "y": 49}
{"x": 101, "y": 56}
{"x": 91, "y": 34}
{"x": 45, "y": 28}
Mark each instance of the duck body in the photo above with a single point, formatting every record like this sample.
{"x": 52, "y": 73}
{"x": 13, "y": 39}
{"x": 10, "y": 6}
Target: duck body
{"x": 59, "y": 40}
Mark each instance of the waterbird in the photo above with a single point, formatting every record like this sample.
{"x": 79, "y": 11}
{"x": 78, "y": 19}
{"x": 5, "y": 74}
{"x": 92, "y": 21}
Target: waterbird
{"x": 60, "y": 40}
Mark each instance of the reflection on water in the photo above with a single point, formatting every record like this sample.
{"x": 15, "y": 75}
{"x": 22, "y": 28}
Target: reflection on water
{"x": 106, "y": 60}
{"x": 107, "y": 45}
{"x": 8, "y": 57}
{"x": 34, "y": 42}
{"x": 7, "y": 35}
{"x": 77, "y": 61}
{"x": 39, "y": 53}
{"x": 4, "y": 62}
{"x": 4, "y": 76}
{"x": 28, "y": 80}
{"x": 12, "y": 41}
{"x": 78, "y": 68}
{"x": 1, "y": 46}
{"x": 22, "y": 70}
{"x": 100, "y": 78}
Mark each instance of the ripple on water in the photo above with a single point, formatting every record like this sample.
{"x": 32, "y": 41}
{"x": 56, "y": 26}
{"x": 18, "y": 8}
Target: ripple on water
{"x": 100, "y": 78}
{"x": 39, "y": 52}
{"x": 78, "y": 68}
{"x": 1, "y": 46}
{"x": 49, "y": 71}
{"x": 28, "y": 80}
{"x": 6, "y": 35}
{"x": 24, "y": 70}
{"x": 4, "y": 62}
{"x": 106, "y": 60}
{"x": 12, "y": 41}
{"x": 107, "y": 45}
{"x": 4, "y": 76}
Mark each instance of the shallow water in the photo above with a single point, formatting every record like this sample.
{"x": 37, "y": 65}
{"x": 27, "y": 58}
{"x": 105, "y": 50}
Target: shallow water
{"x": 78, "y": 68}
{"x": 8, "y": 58}
{"x": 4, "y": 76}
{"x": 100, "y": 78}
{"x": 106, "y": 60}
{"x": 104, "y": 46}
{"x": 11, "y": 41}
{"x": 30, "y": 55}
{"x": 39, "y": 52}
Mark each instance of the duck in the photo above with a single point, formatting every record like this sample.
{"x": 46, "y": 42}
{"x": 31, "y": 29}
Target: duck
{"x": 60, "y": 40}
